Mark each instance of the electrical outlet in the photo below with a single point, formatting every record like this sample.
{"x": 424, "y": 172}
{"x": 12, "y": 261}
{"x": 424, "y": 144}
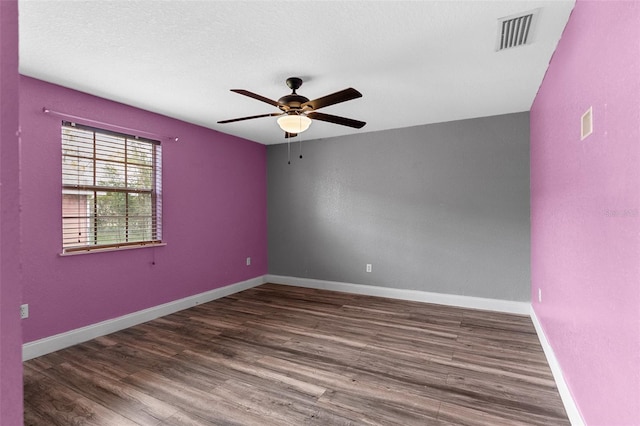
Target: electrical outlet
{"x": 248, "y": 261}
{"x": 368, "y": 267}
{"x": 24, "y": 311}
{"x": 540, "y": 295}
{"x": 586, "y": 124}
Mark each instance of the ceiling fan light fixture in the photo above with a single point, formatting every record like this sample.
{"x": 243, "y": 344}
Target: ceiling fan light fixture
{"x": 294, "y": 123}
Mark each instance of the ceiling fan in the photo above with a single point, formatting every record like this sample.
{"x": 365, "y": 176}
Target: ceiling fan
{"x": 297, "y": 111}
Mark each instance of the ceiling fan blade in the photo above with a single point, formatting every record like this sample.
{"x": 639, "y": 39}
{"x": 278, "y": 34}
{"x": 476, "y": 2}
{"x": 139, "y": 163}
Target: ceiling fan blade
{"x": 288, "y": 135}
{"x": 334, "y": 98}
{"x": 336, "y": 120}
{"x": 273, "y": 114}
{"x": 256, "y": 96}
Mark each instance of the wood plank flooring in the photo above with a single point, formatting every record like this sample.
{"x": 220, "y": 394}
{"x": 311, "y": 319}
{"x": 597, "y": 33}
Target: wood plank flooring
{"x": 279, "y": 355}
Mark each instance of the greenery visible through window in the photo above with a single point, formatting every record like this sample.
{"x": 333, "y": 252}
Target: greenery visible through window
{"x": 111, "y": 189}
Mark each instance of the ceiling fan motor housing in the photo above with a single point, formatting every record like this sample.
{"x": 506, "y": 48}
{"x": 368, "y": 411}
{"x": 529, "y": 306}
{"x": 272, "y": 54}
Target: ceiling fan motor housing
{"x": 292, "y": 102}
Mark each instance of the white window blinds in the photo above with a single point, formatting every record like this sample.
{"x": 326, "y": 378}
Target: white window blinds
{"x": 111, "y": 189}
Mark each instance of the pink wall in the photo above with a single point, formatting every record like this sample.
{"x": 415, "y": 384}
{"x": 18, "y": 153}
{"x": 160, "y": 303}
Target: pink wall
{"x": 585, "y": 210}
{"x": 10, "y": 290}
{"x": 214, "y": 216}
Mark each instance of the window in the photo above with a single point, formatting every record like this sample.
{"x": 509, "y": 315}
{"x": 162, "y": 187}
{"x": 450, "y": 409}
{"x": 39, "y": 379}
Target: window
{"x": 111, "y": 189}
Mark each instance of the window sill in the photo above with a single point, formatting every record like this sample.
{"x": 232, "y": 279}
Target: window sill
{"x": 109, "y": 249}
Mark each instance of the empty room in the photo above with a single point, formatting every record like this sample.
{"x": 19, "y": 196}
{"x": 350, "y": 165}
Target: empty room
{"x": 320, "y": 212}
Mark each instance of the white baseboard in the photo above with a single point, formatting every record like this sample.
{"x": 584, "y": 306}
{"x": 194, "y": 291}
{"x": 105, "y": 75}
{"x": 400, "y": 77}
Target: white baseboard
{"x": 563, "y": 389}
{"x": 60, "y": 341}
{"x": 522, "y": 308}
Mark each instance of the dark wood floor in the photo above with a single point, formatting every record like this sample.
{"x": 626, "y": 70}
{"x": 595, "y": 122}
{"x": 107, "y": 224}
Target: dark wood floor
{"x": 284, "y": 355}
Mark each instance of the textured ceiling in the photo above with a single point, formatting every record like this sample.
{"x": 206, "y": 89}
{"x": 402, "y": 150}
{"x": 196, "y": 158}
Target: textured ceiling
{"x": 415, "y": 62}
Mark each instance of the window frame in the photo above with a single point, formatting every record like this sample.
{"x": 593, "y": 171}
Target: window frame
{"x": 98, "y": 146}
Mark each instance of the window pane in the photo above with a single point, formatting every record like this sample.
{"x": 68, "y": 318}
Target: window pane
{"x": 111, "y": 204}
{"x": 110, "y": 174}
{"x": 75, "y": 219}
{"x": 109, "y": 147}
{"x": 110, "y": 218}
{"x": 77, "y": 142}
{"x": 139, "y": 152}
{"x": 140, "y": 205}
{"x": 140, "y": 217}
{"x": 140, "y": 229}
{"x": 77, "y": 171}
{"x": 139, "y": 177}
{"x": 110, "y": 230}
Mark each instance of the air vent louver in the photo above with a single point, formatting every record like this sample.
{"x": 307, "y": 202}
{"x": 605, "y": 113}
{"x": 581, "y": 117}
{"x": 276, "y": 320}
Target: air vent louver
{"x": 515, "y": 30}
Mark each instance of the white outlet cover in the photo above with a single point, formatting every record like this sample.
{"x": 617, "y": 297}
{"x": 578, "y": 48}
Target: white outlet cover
{"x": 586, "y": 123}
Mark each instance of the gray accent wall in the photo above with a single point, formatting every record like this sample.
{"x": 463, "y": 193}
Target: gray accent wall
{"x": 440, "y": 208}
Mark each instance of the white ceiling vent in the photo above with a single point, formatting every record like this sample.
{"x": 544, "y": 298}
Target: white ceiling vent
{"x": 516, "y": 30}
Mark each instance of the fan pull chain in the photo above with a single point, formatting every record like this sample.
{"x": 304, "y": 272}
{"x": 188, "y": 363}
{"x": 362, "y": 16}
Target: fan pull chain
{"x": 288, "y": 150}
{"x": 300, "y": 145}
